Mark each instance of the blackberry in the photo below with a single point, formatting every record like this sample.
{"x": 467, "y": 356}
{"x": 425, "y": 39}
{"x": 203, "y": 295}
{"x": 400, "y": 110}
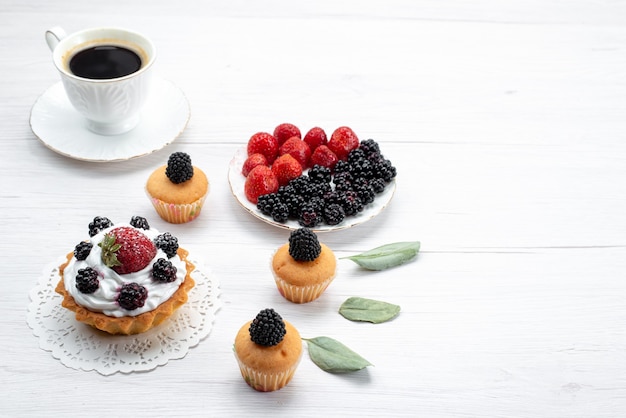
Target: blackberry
{"x": 272, "y": 205}
{"x": 163, "y": 271}
{"x": 132, "y": 296}
{"x": 266, "y": 202}
{"x": 293, "y": 200}
{"x": 280, "y": 212}
{"x": 350, "y": 202}
{"x": 139, "y": 222}
{"x": 385, "y": 170}
{"x": 378, "y": 185}
{"x": 179, "y": 168}
{"x": 363, "y": 169}
{"x": 303, "y": 186}
{"x": 318, "y": 189}
{"x": 310, "y": 215}
{"x": 320, "y": 174}
{"x": 82, "y": 250}
{"x": 341, "y": 166}
{"x": 98, "y": 224}
{"x": 168, "y": 243}
{"x": 304, "y": 245}
{"x": 369, "y": 147}
{"x": 334, "y": 214}
{"x": 268, "y": 328}
{"x": 356, "y": 155}
{"x": 343, "y": 181}
{"x": 365, "y": 192}
{"x": 87, "y": 280}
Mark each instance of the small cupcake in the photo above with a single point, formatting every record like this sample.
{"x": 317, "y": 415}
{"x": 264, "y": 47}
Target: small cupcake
{"x": 178, "y": 190}
{"x": 303, "y": 268}
{"x": 268, "y": 350}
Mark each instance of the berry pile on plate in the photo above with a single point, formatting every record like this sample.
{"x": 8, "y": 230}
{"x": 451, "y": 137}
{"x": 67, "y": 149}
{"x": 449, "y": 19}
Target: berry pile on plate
{"x": 313, "y": 179}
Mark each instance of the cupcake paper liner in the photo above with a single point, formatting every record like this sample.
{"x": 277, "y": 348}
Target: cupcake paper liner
{"x": 266, "y": 382}
{"x": 178, "y": 213}
{"x": 301, "y": 294}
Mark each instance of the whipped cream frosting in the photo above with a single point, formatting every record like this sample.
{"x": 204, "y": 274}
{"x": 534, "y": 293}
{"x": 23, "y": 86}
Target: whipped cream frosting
{"x": 104, "y": 299}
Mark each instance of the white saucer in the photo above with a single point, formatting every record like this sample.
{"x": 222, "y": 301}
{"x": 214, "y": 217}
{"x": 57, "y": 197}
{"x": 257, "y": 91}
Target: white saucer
{"x": 62, "y": 129}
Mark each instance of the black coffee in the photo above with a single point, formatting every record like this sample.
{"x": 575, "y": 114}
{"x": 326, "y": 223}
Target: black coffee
{"x": 104, "y": 62}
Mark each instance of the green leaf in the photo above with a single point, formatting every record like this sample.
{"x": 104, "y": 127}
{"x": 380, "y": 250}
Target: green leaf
{"x": 109, "y": 250}
{"x": 332, "y": 356}
{"x": 368, "y": 310}
{"x": 386, "y": 256}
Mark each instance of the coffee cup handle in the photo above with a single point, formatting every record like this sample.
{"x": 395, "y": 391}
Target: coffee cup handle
{"x": 54, "y": 36}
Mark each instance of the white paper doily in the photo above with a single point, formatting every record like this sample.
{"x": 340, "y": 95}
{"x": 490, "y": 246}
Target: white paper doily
{"x": 79, "y": 346}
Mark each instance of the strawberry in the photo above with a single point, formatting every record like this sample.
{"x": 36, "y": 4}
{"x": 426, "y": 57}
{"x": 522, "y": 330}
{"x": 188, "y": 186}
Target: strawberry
{"x": 127, "y": 250}
{"x": 342, "y": 141}
{"x": 284, "y": 131}
{"x": 324, "y": 156}
{"x": 298, "y": 149}
{"x": 251, "y": 162}
{"x": 315, "y": 137}
{"x": 261, "y": 180}
{"x": 263, "y": 143}
{"x": 286, "y": 169}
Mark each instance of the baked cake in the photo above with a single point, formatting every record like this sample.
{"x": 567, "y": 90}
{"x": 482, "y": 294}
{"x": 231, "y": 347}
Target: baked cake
{"x": 125, "y": 279}
{"x": 178, "y": 189}
{"x": 303, "y": 268}
{"x": 268, "y": 350}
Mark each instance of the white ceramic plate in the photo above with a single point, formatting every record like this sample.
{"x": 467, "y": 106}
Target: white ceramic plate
{"x": 62, "y": 129}
{"x": 237, "y": 182}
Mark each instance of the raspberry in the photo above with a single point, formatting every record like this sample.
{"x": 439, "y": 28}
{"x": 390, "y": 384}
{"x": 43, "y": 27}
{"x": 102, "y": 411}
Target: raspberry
{"x": 98, "y": 224}
{"x": 324, "y": 156}
{"x": 286, "y": 168}
{"x": 82, "y": 250}
{"x": 132, "y": 296}
{"x": 251, "y": 162}
{"x": 179, "y": 168}
{"x": 304, "y": 245}
{"x": 315, "y": 137}
{"x": 163, "y": 271}
{"x": 268, "y": 328}
{"x": 140, "y": 222}
{"x": 87, "y": 280}
{"x": 126, "y": 250}
{"x": 260, "y": 181}
{"x": 284, "y": 131}
{"x": 263, "y": 143}
{"x": 168, "y": 243}
{"x": 298, "y": 149}
{"x": 342, "y": 141}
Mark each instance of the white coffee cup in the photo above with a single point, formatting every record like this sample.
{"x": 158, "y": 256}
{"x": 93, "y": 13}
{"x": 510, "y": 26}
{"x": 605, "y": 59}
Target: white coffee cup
{"x": 110, "y": 105}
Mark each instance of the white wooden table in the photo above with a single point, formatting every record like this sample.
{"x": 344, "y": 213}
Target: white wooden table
{"x": 507, "y": 124}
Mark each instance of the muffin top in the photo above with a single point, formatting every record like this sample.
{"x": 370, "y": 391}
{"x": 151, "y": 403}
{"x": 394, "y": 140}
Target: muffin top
{"x": 270, "y": 359}
{"x": 161, "y": 187}
{"x": 304, "y": 273}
